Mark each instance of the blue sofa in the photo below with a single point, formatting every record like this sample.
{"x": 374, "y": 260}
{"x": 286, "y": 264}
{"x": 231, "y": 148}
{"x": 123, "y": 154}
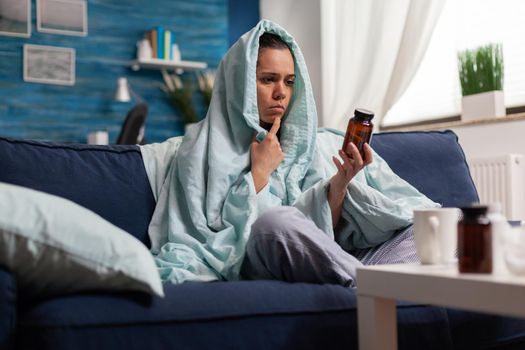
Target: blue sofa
{"x": 111, "y": 181}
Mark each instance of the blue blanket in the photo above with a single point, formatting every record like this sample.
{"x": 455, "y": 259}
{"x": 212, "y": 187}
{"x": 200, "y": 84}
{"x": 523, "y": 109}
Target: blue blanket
{"x": 206, "y": 199}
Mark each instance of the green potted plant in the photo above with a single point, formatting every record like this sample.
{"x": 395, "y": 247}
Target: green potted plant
{"x": 206, "y": 79}
{"x": 481, "y": 77}
{"x": 180, "y": 95}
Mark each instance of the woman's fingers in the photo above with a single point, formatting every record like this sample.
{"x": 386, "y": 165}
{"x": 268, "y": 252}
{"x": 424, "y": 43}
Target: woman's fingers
{"x": 368, "y": 154}
{"x": 348, "y": 163}
{"x": 338, "y": 164}
{"x": 354, "y": 153}
{"x": 275, "y": 126}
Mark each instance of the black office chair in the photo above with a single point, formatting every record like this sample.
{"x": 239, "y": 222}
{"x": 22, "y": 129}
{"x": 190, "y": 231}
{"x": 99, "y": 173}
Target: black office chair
{"x": 132, "y": 132}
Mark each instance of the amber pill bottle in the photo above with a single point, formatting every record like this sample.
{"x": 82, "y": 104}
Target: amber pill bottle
{"x": 475, "y": 240}
{"x": 359, "y": 129}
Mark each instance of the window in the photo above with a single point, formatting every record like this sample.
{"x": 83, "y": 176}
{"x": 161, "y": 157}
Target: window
{"x": 435, "y": 92}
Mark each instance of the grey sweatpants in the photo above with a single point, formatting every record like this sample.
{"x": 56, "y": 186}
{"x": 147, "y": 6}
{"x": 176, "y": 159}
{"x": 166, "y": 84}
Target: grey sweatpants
{"x": 285, "y": 245}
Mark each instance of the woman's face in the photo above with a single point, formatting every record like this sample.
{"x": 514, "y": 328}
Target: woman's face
{"x": 275, "y": 78}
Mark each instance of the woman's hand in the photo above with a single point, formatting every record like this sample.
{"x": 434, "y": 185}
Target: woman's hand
{"x": 266, "y": 156}
{"x": 345, "y": 173}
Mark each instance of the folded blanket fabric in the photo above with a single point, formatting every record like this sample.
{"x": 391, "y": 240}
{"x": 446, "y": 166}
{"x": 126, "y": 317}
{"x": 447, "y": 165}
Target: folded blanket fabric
{"x": 206, "y": 199}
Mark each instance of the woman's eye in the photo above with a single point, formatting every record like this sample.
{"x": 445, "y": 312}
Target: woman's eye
{"x": 290, "y": 82}
{"x": 266, "y": 80}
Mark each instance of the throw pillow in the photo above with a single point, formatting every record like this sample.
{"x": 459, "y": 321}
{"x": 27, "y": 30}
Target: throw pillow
{"x": 55, "y": 246}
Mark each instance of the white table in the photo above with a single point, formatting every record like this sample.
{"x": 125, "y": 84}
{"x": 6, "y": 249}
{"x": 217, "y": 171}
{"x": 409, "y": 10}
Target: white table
{"x": 379, "y": 286}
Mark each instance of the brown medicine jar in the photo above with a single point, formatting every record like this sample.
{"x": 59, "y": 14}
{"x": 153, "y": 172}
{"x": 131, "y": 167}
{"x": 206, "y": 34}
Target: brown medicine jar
{"x": 475, "y": 240}
{"x": 359, "y": 130}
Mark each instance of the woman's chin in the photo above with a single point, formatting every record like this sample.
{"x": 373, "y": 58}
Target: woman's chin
{"x": 270, "y": 118}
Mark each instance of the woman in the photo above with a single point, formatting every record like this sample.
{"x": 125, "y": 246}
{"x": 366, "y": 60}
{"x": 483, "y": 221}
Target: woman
{"x": 275, "y": 77}
{"x": 259, "y": 148}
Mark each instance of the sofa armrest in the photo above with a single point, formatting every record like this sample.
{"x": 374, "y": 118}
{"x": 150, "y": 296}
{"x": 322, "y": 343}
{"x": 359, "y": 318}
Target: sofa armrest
{"x": 431, "y": 161}
{"x": 7, "y": 308}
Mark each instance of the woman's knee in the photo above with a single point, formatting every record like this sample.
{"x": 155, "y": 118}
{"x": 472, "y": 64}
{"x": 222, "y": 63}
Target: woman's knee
{"x": 276, "y": 220}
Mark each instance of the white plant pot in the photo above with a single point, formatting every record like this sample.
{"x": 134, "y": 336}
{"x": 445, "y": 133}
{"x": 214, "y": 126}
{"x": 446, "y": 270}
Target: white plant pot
{"x": 482, "y": 106}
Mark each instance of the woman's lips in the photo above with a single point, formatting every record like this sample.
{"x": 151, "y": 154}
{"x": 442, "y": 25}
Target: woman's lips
{"x": 277, "y": 108}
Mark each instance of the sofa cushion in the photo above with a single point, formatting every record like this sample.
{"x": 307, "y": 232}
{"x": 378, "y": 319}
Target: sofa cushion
{"x": 227, "y": 315}
{"x": 472, "y": 330}
{"x": 109, "y": 180}
{"x": 8, "y": 302}
{"x": 431, "y": 161}
{"x": 55, "y": 246}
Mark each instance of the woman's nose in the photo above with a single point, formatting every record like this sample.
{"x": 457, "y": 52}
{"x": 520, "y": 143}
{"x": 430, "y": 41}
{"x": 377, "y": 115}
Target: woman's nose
{"x": 279, "y": 92}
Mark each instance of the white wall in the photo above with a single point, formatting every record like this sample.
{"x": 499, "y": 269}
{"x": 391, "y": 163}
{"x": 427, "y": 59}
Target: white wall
{"x": 492, "y": 139}
{"x": 302, "y": 19}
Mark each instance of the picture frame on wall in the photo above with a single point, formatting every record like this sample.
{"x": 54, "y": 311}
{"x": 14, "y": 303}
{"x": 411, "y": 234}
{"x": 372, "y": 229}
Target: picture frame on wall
{"x": 15, "y": 18}
{"x": 49, "y": 64}
{"x": 65, "y": 17}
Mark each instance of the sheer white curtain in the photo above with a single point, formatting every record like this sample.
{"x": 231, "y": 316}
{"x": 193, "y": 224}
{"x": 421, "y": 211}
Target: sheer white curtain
{"x": 370, "y": 50}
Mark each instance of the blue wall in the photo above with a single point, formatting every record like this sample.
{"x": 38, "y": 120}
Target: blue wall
{"x": 243, "y": 15}
{"x": 204, "y": 30}
{"x": 69, "y": 113}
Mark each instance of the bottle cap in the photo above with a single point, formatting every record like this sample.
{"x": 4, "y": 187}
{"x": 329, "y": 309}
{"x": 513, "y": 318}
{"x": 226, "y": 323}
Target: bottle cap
{"x": 474, "y": 210}
{"x": 363, "y": 113}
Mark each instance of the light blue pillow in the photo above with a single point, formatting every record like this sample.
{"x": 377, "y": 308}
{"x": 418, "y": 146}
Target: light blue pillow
{"x": 55, "y": 246}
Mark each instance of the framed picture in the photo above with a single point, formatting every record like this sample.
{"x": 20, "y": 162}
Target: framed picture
{"x": 49, "y": 64}
{"x": 67, "y": 17}
{"x": 15, "y": 18}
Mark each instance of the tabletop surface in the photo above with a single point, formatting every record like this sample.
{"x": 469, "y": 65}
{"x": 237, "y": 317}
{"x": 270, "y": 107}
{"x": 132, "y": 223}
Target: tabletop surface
{"x": 443, "y": 285}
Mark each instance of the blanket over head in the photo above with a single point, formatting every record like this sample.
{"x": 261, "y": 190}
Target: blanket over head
{"x": 206, "y": 199}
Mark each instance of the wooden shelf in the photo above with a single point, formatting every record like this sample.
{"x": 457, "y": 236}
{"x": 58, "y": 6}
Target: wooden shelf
{"x": 160, "y": 64}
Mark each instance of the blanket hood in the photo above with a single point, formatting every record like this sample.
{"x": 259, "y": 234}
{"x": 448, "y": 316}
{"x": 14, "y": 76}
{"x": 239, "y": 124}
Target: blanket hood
{"x": 233, "y": 118}
{"x": 206, "y": 205}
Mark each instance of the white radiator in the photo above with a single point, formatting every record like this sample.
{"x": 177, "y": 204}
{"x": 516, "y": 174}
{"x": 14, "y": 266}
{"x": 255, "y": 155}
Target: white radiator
{"x": 501, "y": 179}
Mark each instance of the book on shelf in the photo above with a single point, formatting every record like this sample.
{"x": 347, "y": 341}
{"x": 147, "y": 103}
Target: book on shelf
{"x": 167, "y": 44}
{"x": 160, "y": 42}
{"x": 163, "y": 45}
{"x": 151, "y": 35}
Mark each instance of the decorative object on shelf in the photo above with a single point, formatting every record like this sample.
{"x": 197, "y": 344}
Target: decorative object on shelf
{"x": 481, "y": 77}
{"x": 175, "y": 51}
{"x": 66, "y": 17}
{"x": 206, "y": 80}
{"x": 49, "y": 64}
{"x": 15, "y": 18}
{"x": 180, "y": 95}
{"x": 144, "y": 51}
